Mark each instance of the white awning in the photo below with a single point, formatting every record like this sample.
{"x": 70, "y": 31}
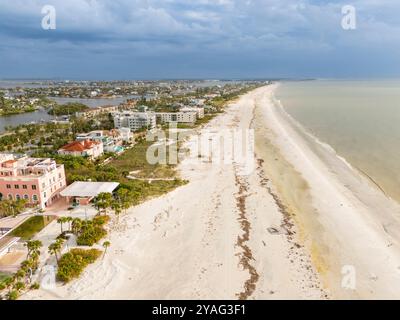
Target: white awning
{"x": 88, "y": 189}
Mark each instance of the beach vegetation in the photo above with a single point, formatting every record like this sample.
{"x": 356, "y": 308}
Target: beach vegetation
{"x": 91, "y": 231}
{"x": 106, "y": 244}
{"x": 20, "y": 280}
{"x": 73, "y": 263}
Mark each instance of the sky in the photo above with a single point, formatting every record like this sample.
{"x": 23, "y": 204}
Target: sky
{"x": 166, "y": 39}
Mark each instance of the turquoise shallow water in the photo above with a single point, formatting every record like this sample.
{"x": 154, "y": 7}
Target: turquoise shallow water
{"x": 359, "y": 119}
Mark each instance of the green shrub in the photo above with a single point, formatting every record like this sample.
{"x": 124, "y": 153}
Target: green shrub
{"x": 13, "y": 295}
{"x": 90, "y": 234}
{"x": 92, "y": 231}
{"x": 72, "y": 264}
{"x": 101, "y": 220}
{"x": 35, "y": 286}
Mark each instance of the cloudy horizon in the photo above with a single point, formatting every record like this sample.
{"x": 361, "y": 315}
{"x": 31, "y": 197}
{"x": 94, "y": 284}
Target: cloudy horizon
{"x": 154, "y": 39}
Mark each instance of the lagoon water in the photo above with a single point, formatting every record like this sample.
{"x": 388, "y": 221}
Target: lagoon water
{"x": 42, "y": 115}
{"x": 359, "y": 119}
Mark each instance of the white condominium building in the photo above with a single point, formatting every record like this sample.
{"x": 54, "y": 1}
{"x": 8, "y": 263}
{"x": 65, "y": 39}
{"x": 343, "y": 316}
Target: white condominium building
{"x": 135, "y": 120}
{"x": 198, "y": 110}
{"x": 182, "y": 117}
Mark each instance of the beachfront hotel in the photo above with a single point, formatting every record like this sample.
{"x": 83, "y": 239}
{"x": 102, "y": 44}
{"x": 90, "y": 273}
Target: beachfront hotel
{"x": 135, "y": 120}
{"x": 37, "y": 180}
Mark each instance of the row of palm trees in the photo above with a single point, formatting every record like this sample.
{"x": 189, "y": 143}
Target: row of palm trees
{"x": 122, "y": 200}
{"x": 23, "y": 277}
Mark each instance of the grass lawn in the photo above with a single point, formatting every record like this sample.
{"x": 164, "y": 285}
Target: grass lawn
{"x": 30, "y": 227}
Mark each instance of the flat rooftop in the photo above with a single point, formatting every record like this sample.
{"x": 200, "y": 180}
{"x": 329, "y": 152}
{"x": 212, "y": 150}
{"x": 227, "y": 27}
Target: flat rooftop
{"x": 88, "y": 189}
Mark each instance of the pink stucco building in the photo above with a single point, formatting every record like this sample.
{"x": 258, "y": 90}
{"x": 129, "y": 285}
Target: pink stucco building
{"x": 38, "y": 180}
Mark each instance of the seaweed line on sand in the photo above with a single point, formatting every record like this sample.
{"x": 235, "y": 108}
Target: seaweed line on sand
{"x": 246, "y": 256}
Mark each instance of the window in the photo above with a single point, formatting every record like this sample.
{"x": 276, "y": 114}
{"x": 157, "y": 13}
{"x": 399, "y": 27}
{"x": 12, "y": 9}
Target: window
{"x": 18, "y": 197}
{"x": 34, "y": 197}
{"x": 16, "y": 186}
{"x": 44, "y": 194}
{"x": 9, "y": 186}
{"x": 10, "y": 197}
{"x": 33, "y": 187}
{"x": 24, "y": 186}
{"x": 26, "y": 197}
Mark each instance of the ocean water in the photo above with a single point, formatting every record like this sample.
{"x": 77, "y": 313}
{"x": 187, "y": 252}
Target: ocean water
{"x": 359, "y": 119}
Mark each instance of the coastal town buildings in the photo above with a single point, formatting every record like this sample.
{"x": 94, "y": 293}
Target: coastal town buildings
{"x": 96, "y": 111}
{"x": 135, "y": 120}
{"x": 37, "y": 180}
{"x": 112, "y": 139}
{"x": 84, "y": 148}
{"x": 198, "y": 110}
{"x": 126, "y": 134}
{"x": 180, "y": 117}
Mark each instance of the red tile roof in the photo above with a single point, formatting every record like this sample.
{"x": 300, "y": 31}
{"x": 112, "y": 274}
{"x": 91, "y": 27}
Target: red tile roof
{"x": 79, "y": 146}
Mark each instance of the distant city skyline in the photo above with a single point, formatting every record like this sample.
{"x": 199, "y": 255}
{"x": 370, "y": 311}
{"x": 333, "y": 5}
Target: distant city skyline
{"x": 202, "y": 39}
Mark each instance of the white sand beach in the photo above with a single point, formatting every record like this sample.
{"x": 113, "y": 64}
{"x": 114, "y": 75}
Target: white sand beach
{"x": 284, "y": 231}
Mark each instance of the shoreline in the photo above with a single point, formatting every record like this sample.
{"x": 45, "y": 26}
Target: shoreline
{"x": 345, "y": 219}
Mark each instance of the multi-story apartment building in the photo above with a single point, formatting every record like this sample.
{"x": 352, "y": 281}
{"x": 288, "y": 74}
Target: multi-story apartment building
{"x": 37, "y": 180}
{"x": 182, "y": 117}
{"x": 198, "y": 110}
{"x": 135, "y": 120}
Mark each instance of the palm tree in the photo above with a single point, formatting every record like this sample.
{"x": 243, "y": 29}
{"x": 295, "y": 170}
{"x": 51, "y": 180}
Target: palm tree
{"x": 9, "y": 282}
{"x": 33, "y": 246}
{"x": 35, "y": 259}
{"x": 116, "y": 206}
{"x": 69, "y": 220}
{"x": 27, "y": 267}
{"x": 106, "y": 244}
{"x": 55, "y": 248}
{"x": 61, "y": 221}
{"x": 124, "y": 196}
{"x": 76, "y": 225}
{"x": 18, "y": 286}
{"x": 103, "y": 201}
{"x": 20, "y": 275}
